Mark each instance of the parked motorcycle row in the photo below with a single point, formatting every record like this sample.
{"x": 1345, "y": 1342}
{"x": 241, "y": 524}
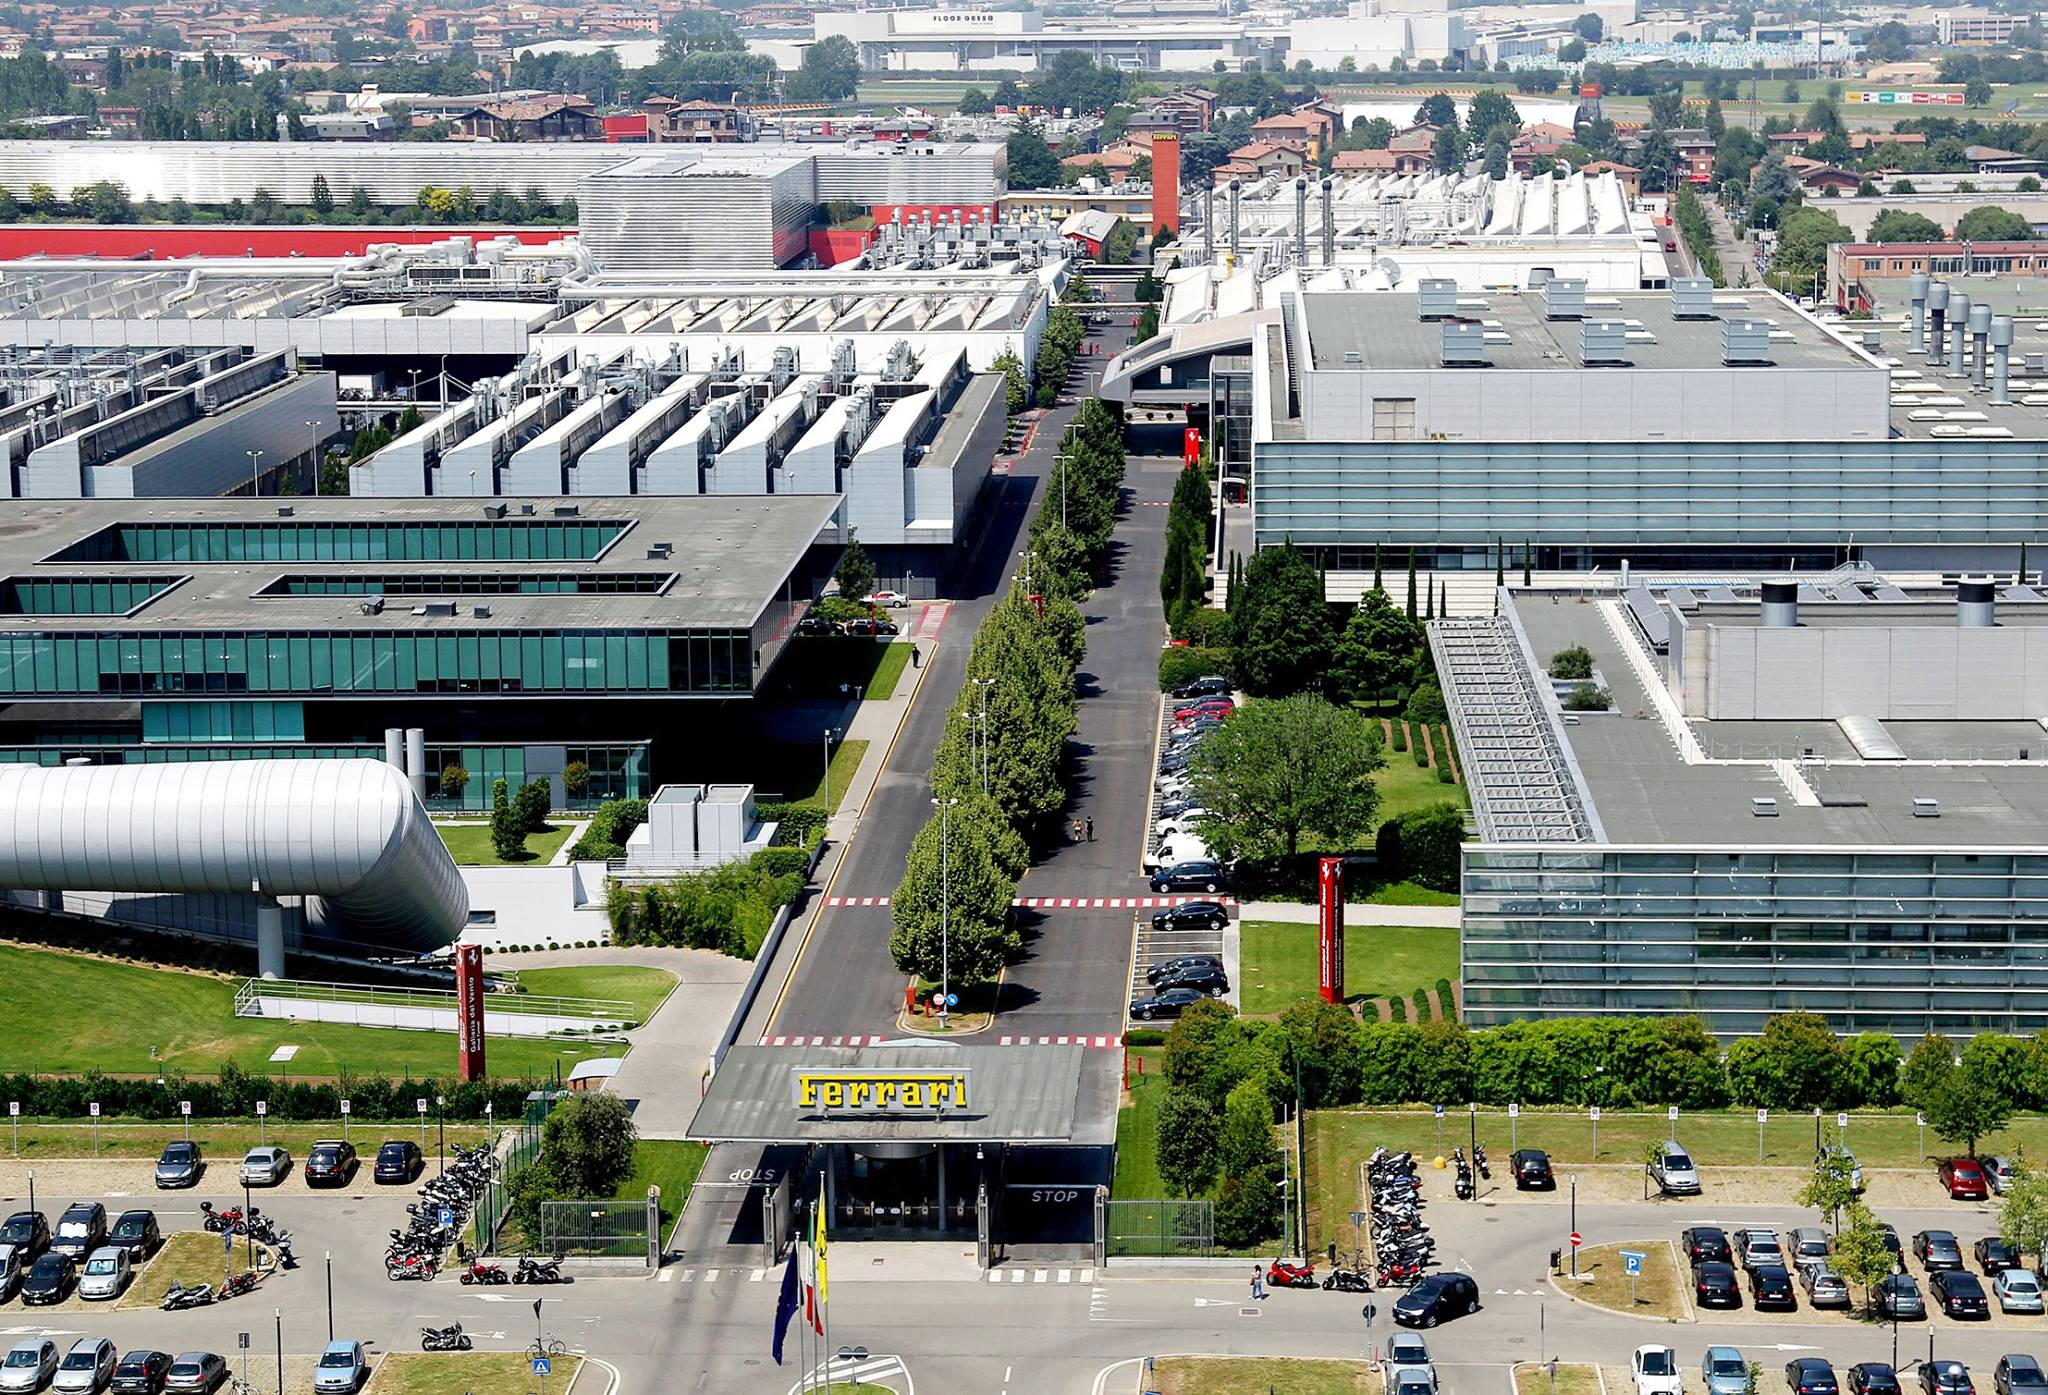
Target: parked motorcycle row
{"x": 230, "y": 1220}
{"x": 1401, "y": 1244}
{"x": 1464, "y": 1182}
{"x": 438, "y": 1217}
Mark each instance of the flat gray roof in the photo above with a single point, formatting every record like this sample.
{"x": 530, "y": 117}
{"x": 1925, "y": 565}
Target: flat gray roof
{"x": 2016, "y": 606}
{"x": 1930, "y": 404}
{"x": 1027, "y": 1093}
{"x": 730, "y": 558}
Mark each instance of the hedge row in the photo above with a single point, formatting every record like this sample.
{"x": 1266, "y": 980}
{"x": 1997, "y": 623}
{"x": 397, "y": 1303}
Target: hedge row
{"x": 235, "y": 1093}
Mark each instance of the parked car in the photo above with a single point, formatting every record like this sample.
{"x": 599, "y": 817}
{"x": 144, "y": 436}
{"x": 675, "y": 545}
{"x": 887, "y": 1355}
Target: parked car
{"x": 1673, "y": 1171}
{"x": 1963, "y": 1178}
{"x": 1898, "y": 1296}
{"x": 1759, "y": 1247}
{"x": 865, "y": 625}
{"x": 1170, "y": 969}
{"x": 1806, "y": 1245}
{"x": 2019, "y": 1374}
{"x": 1435, "y": 1298}
{"x": 817, "y": 625}
{"x": 1938, "y": 1249}
{"x": 141, "y": 1372}
{"x": 80, "y": 1230}
{"x": 179, "y": 1166}
{"x": 28, "y": 1232}
{"x": 1189, "y": 876}
{"x": 1179, "y": 850}
{"x": 1946, "y": 1378}
{"x": 1211, "y": 685}
{"x": 1192, "y": 915}
{"x": 1995, "y": 1254}
{"x": 106, "y": 1273}
{"x": 1532, "y": 1172}
{"x": 1208, "y": 979}
{"x": 1171, "y": 1002}
{"x": 196, "y": 1373}
{"x": 1890, "y": 1237}
{"x": 1655, "y": 1371}
{"x": 1824, "y": 1287}
{"x": 1770, "y": 1289}
{"x": 1809, "y": 1375}
{"x": 1714, "y": 1285}
{"x": 11, "y": 1270}
{"x": 86, "y": 1368}
{"x": 895, "y": 600}
{"x": 266, "y": 1166}
{"x": 330, "y": 1163}
{"x": 1873, "y": 1378}
{"x": 1960, "y": 1293}
{"x": 342, "y": 1370}
{"x": 29, "y": 1365}
{"x": 1705, "y": 1242}
{"x": 49, "y": 1279}
{"x": 1999, "y": 1171}
{"x": 1836, "y": 1150}
{"x": 1724, "y": 1370}
{"x": 398, "y": 1161}
{"x": 2017, "y": 1291}
{"x": 1407, "y": 1359}
{"x": 138, "y": 1233}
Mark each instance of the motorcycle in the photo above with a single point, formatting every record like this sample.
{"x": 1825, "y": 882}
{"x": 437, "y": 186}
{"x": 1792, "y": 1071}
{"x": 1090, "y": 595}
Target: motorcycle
{"x": 218, "y": 1221}
{"x": 540, "y": 1271}
{"x": 181, "y": 1296}
{"x": 1285, "y": 1273}
{"x": 480, "y": 1272}
{"x": 449, "y": 1338}
{"x": 1348, "y": 1280}
{"x": 235, "y": 1285}
{"x": 1479, "y": 1161}
{"x": 415, "y": 1266}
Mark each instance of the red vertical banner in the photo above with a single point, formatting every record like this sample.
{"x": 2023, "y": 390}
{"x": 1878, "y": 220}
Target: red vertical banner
{"x": 1330, "y": 919}
{"x": 469, "y": 1011}
{"x": 1190, "y": 447}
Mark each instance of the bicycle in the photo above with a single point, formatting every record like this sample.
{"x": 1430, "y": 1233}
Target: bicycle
{"x": 552, "y": 1347}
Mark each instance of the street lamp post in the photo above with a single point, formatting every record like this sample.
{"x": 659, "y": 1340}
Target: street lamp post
{"x": 826, "y": 737}
{"x": 984, "y": 684}
{"x": 330, "y": 1295}
{"x": 277, "y": 1316}
{"x": 945, "y": 908}
{"x": 314, "y": 427}
{"x": 255, "y": 477}
{"x": 1575, "y": 1224}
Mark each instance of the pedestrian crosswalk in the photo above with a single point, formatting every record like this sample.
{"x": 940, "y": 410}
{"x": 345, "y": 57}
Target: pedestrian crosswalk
{"x": 1020, "y": 1039}
{"x": 1064, "y": 903}
{"x": 1009, "y": 1275}
{"x": 1005, "y": 1274}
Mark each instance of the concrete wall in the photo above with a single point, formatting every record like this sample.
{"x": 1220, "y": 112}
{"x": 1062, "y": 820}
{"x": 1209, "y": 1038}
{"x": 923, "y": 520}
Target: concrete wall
{"x": 536, "y": 905}
{"x": 1908, "y": 673}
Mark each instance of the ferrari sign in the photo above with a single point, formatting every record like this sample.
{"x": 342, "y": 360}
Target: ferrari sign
{"x": 469, "y": 1012}
{"x": 1330, "y": 921}
{"x": 878, "y": 1092}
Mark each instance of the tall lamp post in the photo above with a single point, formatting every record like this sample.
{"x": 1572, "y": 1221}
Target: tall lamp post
{"x": 945, "y": 907}
{"x": 984, "y": 684}
{"x": 828, "y": 736}
{"x": 314, "y": 427}
{"x": 255, "y": 477}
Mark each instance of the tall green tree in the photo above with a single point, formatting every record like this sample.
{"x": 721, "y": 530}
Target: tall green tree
{"x": 1282, "y": 768}
{"x": 1186, "y": 1142}
{"x": 1993, "y": 224}
{"x": 952, "y": 908}
{"x": 1860, "y": 1254}
{"x": 1965, "y": 1108}
{"x": 2023, "y": 1213}
{"x": 1281, "y": 631}
{"x": 508, "y": 838}
{"x": 1376, "y": 651}
{"x": 855, "y": 572}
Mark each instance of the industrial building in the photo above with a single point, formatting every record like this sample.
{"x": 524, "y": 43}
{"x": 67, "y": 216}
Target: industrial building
{"x": 1817, "y": 794}
{"x": 964, "y": 39}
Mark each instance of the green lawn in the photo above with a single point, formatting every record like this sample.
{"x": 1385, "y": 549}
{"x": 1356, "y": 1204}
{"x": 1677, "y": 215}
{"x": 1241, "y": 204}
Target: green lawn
{"x": 471, "y": 844}
{"x": 1280, "y": 962}
{"x": 669, "y": 1164}
{"x": 1277, "y": 1375}
{"x": 642, "y": 986}
{"x": 460, "y": 1372}
{"x": 1404, "y": 786}
{"x": 796, "y": 772}
{"x": 1137, "y": 1131}
{"x": 1403, "y": 894}
{"x": 114, "y": 1013}
{"x": 815, "y": 666}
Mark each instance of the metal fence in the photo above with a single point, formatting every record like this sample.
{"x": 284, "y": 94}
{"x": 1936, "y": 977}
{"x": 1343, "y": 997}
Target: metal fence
{"x": 1159, "y": 1229}
{"x": 517, "y": 1147}
{"x": 601, "y": 1229}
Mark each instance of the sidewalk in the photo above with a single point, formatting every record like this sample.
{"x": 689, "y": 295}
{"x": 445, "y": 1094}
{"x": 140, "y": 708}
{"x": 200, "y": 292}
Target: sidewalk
{"x": 876, "y": 722}
{"x": 1355, "y": 913}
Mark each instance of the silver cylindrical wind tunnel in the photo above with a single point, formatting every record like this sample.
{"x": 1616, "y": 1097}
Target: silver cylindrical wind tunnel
{"x": 1980, "y": 334}
{"x": 1976, "y": 606}
{"x": 2001, "y": 355}
{"x": 1916, "y": 294}
{"x": 1781, "y": 605}
{"x": 1959, "y": 330}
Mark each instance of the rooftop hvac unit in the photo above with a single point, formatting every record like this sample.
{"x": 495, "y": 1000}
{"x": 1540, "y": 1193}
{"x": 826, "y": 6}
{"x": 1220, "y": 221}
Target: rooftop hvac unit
{"x": 1564, "y": 299}
{"x": 1692, "y": 298}
{"x": 1436, "y": 298}
{"x": 1745, "y": 342}
{"x": 781, "y": 370}
{"x": 843, "y": 367}
{"x": 372, "y": 605}
{"x": 1926, "y": 808}
{"x": 1602, "y": 341}
{"x": 1764, "y": 807}
{"x": 901, "y": 365}
{"x": 1464, "y": 343}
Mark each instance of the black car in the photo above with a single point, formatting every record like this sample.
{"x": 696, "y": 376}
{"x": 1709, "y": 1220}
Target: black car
{"x": 2019, "y": 1375}
{"x": 138, "y": 1233}
{"x": 49, "y": 1279}
{"x": 1172, "y": 970}
{"x": 1899, "y": 1297}
{"x": 1531, "y": 1167}
{"x": 1770, "y": 1289}
{"x": 1873, "y": 1378}
{"x": 1946, "y": 1378}
{"x": 1714, "y": 1285}
{"x": 1891, "y": 1243}
{"x": 196, "y": 1373}
{"x": 1995, "y": 1255}
{"x": 1704, "y": 1243}
{"x": 817, "y": 625}
{"x": 1809, "y": 1375}
{"x": 141, "y": 1373}
{"x": 1189, "y": 876}
{"x": 398, "y": 1162}
{"x": 179, "y": 1166}
{"x": 1207, "y": 979}
{"x": 1960, "y": 1293}
{"x": 1170, "y": 1002}
{"x": 1938, "y": 1249}
{"x": 331, "y": 1163}
{"x": 1436, "y": 1297}
{"x": 81, "y": 1230}
{"x": 1192, "y": 915}
{"x": 864, "y": 626}
{"x": 1211, "y": 686}
{"x": 28, "y": 1232}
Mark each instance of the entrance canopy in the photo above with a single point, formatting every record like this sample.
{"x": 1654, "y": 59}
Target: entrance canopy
{"x": 912, "y": 1092}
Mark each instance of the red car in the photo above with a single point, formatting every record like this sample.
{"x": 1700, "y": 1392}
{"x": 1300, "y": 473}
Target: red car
{"x": 1219, "y": 709}
{"x": 1964, "y": 1179}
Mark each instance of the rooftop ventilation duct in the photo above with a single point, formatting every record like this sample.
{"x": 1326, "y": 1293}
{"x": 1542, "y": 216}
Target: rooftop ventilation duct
{"x": 1235, "y": 186}
{"x": 1781, "y": 605}
{"x": 1209, "y": 223}
{"x": 1329, "y": 226}
{"x": 1976, "y": 605}
{"x": 1958, "y": 331}
{"x": 1980, "y": 334}
{"x": 1745, "y": 342}
{"x": 1564, "y": 299}
{"x": 2001, "y": 351}
{"x": 1464, "y": 343}
{"x": 1937, "y": 310}
{"x": 1926, "y": 808}
{"x": 1916, "y": 292}
{"x": 1764, "y": 807}
{"x": 1692, "y": 298}
{"x": 1602, "y": 341}
{"x": 1436, "y": 298}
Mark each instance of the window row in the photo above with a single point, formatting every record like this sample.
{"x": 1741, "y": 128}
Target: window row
{"x": 308, "y": 540}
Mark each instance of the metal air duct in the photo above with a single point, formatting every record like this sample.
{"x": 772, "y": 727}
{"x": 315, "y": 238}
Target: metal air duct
{"x": 1976, "y": 606}
{"x": 416, "y": 761}
{"x": 2001, "y": 349}
{"x": 1209, "y": 223}
{"x": 1937, "y": 307}
{"x": 1300, "y": 222}
{"x": 1329, "y": 226}
{"x": 1916, "y": 293}
{"x": 1235, "y": 186}
{"x": 1980, "y": 332}
{"x": 1781, "y": 605}
{"x": 1958, "y": 331}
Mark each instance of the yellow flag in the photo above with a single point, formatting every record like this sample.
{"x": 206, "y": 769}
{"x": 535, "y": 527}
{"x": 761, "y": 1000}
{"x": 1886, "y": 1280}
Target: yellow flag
{"x": 818, "y": 1245}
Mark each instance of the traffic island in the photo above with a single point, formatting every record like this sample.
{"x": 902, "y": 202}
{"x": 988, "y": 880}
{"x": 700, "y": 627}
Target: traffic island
{"x": 461, "y": 1372}
{"x": 1282, "y": 1375}
{"x": 1561, "y": 1378}
{"x": 1603, "y": 1280}
{"x": 191, "y": 1257}
{"x": 975, "y": 1011}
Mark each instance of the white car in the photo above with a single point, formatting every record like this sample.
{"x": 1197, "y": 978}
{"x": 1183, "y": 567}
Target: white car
{"x": 1656, "y": 1372}
{"x": 106, "y": 1273}
{"x": 1181, "y": 847}
{"x": 894, "y": 600}
{"x": 266, "y": 1166}
{"x": 87, "y": 1367}
{"x": 1183, "y": 822}
{"x": 29, "y": 1365}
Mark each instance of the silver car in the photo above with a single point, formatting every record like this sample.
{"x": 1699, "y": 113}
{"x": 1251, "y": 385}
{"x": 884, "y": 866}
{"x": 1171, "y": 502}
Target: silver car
{"x": 29, "y": 1365}
{"x": 10, "y": 1271}
{"x": 266, "y": 1166}
{"x": 1824, "y": 1287}
{"x": 2018, "y": 1291}
{"x": 87, "y": 1367}
{"x": 106, "y": 1273}
{"x": 1998, "y": 1172}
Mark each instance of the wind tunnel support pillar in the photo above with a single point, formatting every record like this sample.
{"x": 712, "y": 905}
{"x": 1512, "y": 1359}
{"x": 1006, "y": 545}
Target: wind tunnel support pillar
{"x": 416, "y": 761}
{"x": 394, "y": 747}
{"x": 269, "y": 937}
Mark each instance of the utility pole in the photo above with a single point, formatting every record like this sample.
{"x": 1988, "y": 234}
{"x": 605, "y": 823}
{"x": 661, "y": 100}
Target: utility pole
{"x": 945, "y": 908}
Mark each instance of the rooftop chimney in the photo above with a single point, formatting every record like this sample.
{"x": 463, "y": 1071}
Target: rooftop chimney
{"x": 1781, "y": 605}
{"x": 2001, "y": 349}
{"x": 1980, "y": 331}
{"x": 1235, "y": 185}
{"x": 1300, "y": 222}
{"x": 1329, "y": 226}
{"x": 1975, "y": 607}
{"x": 1916, "y": 291}
{"x": 1937, "y": 305}
{"x": 1209, "y": 223}
{"x": 1958, "y": 331}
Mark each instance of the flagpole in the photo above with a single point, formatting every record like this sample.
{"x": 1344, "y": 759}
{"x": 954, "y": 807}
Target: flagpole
{"x": 824, "y": 1286}
{"x": 803, "y": 1350}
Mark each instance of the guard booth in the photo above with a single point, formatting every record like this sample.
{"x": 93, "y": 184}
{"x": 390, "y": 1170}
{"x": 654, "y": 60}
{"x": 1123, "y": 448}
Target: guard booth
{"x": 919, "y": 1140}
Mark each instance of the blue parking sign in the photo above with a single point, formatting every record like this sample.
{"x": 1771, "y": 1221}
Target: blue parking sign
{"x": 541, "y": 1366}
{"x": 447, "y": 1216}
{"x": 1632, "y": 1261}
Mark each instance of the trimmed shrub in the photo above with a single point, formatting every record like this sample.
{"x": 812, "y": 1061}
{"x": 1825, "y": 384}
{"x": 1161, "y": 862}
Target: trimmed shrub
{"x": 610, "y": 827}
{"x": 1421, "y": 845}
{"x": 1574, "y": 662}
{"x": 1399, "y": 1008}
{"x": 1185, "y": 665}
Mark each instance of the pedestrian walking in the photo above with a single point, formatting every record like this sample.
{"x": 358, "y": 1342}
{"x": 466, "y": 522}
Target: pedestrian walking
{"x": 1091, "y": 828}
{"x": 1258, "y": 1281}
{"x": 915, "y": 661}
